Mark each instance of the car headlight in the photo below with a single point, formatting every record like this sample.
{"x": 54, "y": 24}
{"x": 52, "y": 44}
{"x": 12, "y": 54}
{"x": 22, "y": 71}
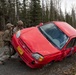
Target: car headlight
{"x": 18, "y": 34}
{"x": 38, "y": 56}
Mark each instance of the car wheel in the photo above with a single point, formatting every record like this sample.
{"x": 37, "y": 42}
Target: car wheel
{"x": 12, "y": 50}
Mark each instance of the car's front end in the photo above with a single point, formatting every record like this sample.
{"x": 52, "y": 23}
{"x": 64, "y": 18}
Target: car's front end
{"x": 34, "y": 50}
{"x": 34, "y": 60}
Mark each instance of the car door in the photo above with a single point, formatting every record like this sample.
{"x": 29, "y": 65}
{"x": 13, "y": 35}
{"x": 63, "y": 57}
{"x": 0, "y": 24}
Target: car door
{"x": 70, "y": 48}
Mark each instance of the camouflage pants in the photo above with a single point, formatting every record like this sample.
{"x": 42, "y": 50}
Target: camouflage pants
{"x": 5, "y": 54}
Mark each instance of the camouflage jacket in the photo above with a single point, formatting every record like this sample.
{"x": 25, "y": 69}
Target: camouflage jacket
{"x": 7, "y": 35}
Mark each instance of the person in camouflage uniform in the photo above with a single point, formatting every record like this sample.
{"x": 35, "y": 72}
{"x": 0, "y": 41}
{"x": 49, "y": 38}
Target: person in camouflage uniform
{"x": 7, "y": 41}
{"x": 18, "y": 27}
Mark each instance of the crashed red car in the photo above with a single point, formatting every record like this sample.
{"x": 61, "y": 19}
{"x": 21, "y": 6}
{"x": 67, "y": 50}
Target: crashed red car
{"x": 40, "y": 45}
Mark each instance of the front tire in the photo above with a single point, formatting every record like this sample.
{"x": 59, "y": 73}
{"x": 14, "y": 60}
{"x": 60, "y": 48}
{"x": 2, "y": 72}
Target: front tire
{"x": 12, "y": 50}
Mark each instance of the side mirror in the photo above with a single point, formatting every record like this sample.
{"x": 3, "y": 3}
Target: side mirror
{"x": 40, "y": 24}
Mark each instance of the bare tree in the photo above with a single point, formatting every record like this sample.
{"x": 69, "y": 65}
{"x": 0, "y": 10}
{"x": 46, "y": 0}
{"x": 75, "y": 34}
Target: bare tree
{"x": 43, "y": 10}
{"x": 73, "y": 16}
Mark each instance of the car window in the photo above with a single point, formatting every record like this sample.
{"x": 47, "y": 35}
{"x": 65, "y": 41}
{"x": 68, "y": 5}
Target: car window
{"x": 54, "y": 35}
{"x": 72, "y": 43}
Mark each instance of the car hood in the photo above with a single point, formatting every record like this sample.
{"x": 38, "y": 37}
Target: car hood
{"x": 35, "y": 40}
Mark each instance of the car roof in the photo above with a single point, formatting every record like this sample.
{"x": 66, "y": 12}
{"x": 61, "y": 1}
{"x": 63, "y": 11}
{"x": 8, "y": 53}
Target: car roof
{"x": 66, "y": 28}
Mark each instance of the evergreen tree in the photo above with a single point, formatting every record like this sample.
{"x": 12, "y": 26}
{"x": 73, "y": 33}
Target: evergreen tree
{"x": 73, "y": 17}
{"x": 61, "y": 16}
{"x": 68, "y": 19}
{"x": 3, "y": 9}
{"x": 35, "y": 12}
{"x": 51, "y": 10}
{"x": 47, "y": 14}
{"x": 24, "y": 12}
{"x": 54, "y": 14}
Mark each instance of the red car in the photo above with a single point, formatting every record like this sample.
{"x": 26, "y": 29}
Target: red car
{"x": 40, "y": 45}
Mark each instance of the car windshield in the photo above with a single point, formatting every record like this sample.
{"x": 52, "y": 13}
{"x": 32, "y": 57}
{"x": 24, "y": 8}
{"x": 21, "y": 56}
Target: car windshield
{"x": 54, "y": 35}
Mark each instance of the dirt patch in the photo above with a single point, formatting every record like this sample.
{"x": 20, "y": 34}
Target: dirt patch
{"x": 66, "y": 67}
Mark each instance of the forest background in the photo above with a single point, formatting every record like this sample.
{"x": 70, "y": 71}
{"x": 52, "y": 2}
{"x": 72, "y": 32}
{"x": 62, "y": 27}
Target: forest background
{"x": 33, "y": 12}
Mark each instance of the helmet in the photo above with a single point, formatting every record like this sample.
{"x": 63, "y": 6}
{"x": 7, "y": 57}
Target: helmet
{"x": 9, "y": 25}
{"x": 20, "y": 22}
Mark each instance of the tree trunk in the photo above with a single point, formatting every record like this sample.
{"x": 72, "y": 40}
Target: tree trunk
{"x": 2, "y": 23}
